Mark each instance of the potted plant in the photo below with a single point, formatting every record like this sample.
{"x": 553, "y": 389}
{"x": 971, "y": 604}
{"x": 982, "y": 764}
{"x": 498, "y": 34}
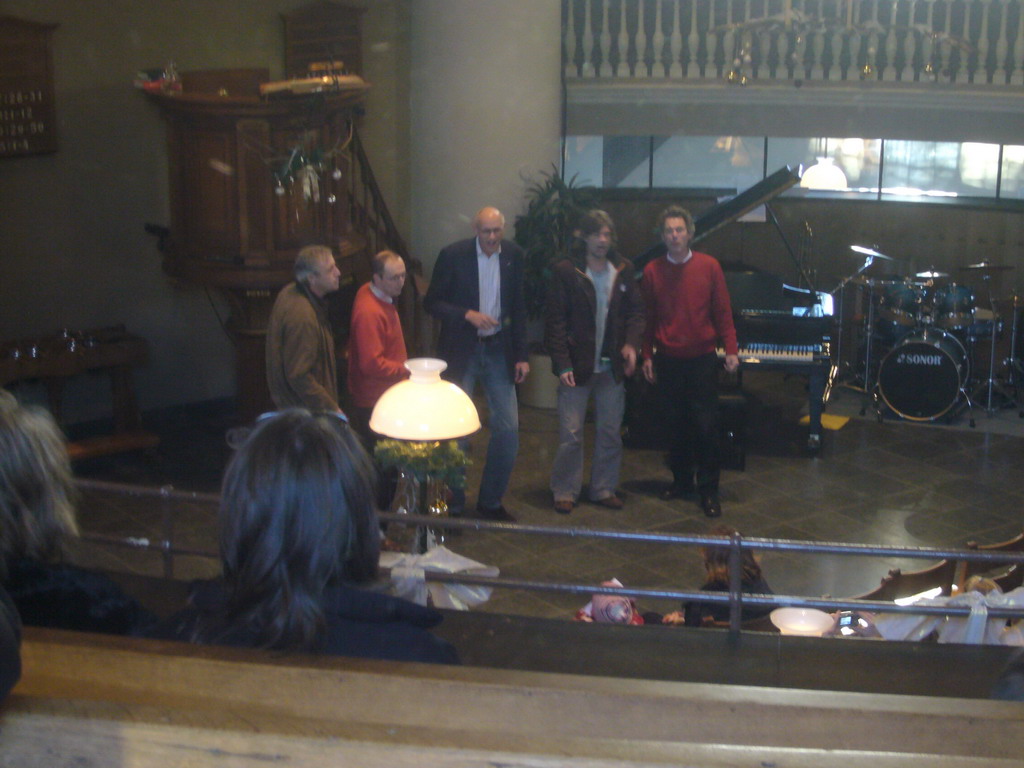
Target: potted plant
{"x": 545, "y": 233}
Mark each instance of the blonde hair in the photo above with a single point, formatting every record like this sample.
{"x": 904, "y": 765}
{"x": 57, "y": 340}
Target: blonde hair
{"x": 982, "y": 584}
{"x": 37, "y": 491}
{"x": 716, "y": 558}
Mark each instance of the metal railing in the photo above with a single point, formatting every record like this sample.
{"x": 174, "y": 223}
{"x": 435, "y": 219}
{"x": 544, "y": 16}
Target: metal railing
{"x": 980, "y": 42}
{"x": 169, "y": 501}
{"x": 168, "y": 498}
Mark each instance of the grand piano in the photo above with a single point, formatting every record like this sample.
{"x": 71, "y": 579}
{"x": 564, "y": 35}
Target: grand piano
{"x": 779, "y": 327}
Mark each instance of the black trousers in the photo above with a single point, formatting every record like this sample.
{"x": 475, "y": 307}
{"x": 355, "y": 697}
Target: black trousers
{"x": 689, "y": 390}
{"x": 359, "y": 421}
{"x": 387, "y": 480}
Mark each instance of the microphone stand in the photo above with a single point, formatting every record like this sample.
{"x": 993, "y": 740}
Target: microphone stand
{"x": 841, "y": 290}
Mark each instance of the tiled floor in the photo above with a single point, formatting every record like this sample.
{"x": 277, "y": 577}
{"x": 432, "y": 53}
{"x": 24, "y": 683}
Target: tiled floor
{"x": 893, "y": 483}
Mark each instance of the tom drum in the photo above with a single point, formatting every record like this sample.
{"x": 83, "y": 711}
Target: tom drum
{"x": 953, "y": 307}
{"x": 900, "y": 304}
{"x": 922, "y": 376}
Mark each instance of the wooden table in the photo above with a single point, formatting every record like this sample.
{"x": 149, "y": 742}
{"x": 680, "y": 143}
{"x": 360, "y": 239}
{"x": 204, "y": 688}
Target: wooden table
{"x": 55, "y": 359}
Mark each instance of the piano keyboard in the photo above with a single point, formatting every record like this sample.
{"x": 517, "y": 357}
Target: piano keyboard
{"x": 753, "y": 354}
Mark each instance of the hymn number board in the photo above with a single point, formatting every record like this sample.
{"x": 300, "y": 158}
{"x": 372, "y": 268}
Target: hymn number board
{"x": 27, "y": 113}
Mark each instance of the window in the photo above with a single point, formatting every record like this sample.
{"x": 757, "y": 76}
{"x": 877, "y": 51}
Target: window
{"x": 940, "y": 169}
{"x": 709, "y": 162}
{"x": 1011, "y": 186}
{"x": 610, "y": 162}
{"x": 858, "y": 159}
{"x": 873, "y": 167}
{"x": 583, "y": 160}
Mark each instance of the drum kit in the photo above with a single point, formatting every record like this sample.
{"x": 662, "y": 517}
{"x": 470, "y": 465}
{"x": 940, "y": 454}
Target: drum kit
{"x": 920, "y": 338}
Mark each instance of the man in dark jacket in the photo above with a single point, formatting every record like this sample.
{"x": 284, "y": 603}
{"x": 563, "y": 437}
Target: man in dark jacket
{"x": 476, "y": 292}
{"x": 301, "y": 368}
{"x": 593, "y": 327}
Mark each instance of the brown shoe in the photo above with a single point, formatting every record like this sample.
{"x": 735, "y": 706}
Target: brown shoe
{"x": 563, "y": 507}
{"x": 611, "y": 502}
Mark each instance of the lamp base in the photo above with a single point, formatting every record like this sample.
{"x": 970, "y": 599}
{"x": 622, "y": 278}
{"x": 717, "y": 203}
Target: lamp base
{"x": 413, "y": 497}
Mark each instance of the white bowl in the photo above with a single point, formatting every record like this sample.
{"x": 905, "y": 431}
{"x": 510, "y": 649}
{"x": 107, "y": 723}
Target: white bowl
{"x": 808, "y": 622}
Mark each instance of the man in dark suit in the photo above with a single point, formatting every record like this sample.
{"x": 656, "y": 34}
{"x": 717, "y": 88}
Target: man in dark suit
{"x": 477, "y": 293}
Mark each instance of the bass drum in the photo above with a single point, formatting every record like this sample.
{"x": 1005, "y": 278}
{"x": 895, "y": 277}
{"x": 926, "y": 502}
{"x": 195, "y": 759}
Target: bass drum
{"x": 922, "y": 376}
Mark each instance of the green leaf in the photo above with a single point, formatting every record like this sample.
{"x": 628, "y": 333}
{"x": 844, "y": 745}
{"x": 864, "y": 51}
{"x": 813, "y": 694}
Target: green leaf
{"x": 443, "y": 460}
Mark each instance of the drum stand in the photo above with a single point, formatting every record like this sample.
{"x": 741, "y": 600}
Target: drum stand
{"x": 1015, "y": 365}
{"x": 868, "y": 385}
{"x": 991, "y": 387}
{"x": 870, "y": 382}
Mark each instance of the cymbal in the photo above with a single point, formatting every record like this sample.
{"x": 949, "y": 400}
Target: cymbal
{"x": 987, "y": 266}
{"x": 932, "y": 274}
{"x": 870, "y": 252}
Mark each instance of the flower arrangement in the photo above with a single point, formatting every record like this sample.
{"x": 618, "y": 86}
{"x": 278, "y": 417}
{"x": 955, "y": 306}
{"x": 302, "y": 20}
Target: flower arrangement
{"x": 443, "y": 461}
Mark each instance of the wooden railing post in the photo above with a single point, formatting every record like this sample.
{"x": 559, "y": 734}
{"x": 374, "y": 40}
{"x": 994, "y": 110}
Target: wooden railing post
{"x": 961, "y": 41}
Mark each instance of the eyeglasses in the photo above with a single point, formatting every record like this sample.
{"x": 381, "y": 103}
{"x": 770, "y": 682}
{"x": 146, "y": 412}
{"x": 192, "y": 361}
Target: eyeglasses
{"x": 236, "y": 436}
{"x": 271, "y": 414}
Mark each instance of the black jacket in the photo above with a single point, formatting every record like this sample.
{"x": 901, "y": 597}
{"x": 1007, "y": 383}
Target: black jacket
{"x": 67, "y": 597}
{"x": 695, "y": 612}
{"x": 10, "y": 645}
{"x": 570, "y": 326}
{"x": 455, "y": 287}
{"x": 359, "y": 623}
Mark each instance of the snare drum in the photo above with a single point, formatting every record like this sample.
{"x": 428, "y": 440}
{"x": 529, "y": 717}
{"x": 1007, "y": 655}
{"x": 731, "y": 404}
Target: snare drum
{"x": 921, "y": 378}
{"x": 953, "y": 307}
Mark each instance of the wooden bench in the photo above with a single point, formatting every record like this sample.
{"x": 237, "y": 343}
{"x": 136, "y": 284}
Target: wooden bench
{"x": 1007, "y": 575}
{"x": 89, "y": 700}
{"x": 898, "y": 583}
{"x": 681, "y": 654}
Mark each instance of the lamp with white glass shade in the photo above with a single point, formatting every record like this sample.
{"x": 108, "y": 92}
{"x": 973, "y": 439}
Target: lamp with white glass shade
{"x": 424, "y": 406}
{"x": 824, "y": 174}
{"x": 421, "y": 412}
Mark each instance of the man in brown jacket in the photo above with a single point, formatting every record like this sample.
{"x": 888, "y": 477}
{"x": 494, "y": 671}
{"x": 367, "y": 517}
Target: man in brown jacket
{"x": 593, "y": 326}
{"x": 301, "y": 368}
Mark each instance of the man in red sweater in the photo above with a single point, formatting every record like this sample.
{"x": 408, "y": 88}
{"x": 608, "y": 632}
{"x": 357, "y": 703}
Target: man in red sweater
{"x": 688, "y": 316}
{"x": 376, "y": 353}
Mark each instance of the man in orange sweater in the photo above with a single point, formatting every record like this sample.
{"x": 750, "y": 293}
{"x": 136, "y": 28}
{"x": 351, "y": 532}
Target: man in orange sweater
{"x": 376, "y": 353}
{"x": 688, "y": 315}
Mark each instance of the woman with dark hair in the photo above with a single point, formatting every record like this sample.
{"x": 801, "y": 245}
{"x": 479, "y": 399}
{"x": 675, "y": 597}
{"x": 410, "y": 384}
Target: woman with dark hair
{"x": 298, "y": 533}
{"x": 37, "y": 518}
{"x": 716, "y": 566}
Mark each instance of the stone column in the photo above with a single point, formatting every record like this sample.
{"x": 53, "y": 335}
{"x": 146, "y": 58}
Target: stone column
{"x": 485, "y": 96}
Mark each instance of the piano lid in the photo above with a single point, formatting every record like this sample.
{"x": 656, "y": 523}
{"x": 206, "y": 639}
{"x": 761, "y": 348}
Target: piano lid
{"x": 727, "y": 211}
{"x": 761, "y": 290}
